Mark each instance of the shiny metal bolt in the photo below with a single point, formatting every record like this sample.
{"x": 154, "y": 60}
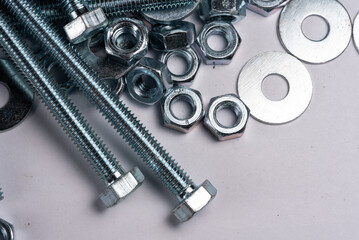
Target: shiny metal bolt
{"x": 192, "y": 198}
{"x": 119, "y": 183}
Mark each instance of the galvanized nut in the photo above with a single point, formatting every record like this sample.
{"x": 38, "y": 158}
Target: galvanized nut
{"x": 86, "y": 25}
{"x": 192, "y": 61}
{"x": 148, "y": 81}
{"x": 265, "y": 7}
{"x": 173, "y": 36}
{"x": 126, "y": 40}
{"x": 227, "y": 31}
{"x": 189, "y": 95}
{"x": 229, "y": 10}
{"x": 233, "y": 103}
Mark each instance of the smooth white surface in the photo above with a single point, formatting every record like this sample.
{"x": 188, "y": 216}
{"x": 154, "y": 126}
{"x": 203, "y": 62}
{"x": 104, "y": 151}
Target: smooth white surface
{"x": 295, "y": 181}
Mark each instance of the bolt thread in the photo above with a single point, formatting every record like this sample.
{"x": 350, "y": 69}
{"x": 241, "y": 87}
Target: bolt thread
{"x": 52, "y": 9}
{"x": 73, "y": 6}
{"x": 66, "y": 114}
{"x": 117, "y": 113}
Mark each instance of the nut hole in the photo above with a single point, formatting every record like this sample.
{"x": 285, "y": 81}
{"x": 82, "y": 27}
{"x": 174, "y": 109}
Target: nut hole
{"x": 182, "y": 107}
{"x": 146, "y": 85}
{"x": 179, "y": 63}
{"x": 126, "y": 38}
{"x": 217, "y": 40}
{"x": 4, "y": 95}
{"x": 275, "y": 87}
{"x": 228, "y": 115}
{"x": 315, "y": 28}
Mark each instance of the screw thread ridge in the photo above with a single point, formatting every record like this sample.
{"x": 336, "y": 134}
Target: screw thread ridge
{"x": 61, "y": 107}
{"x": 52, "y": 9}
{"x": 70, "y": 6}
{"x": 119, "y": 116}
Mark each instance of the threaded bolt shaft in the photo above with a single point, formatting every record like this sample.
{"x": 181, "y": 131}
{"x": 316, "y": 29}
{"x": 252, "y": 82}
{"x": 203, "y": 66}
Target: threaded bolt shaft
{"x": 73, "y": 8}
{"x": 67, "y": 115}
{"x": 116, "y": 112}
{"x": 52, "y": 9}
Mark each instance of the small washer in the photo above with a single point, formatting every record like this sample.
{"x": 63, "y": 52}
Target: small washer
{"x": 356, "y": 32}
{"x": 294, "y": 40}
{"x": 275, "y": 112}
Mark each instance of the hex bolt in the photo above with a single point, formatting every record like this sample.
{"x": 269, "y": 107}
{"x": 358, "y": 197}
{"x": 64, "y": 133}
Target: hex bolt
{"x": 84, "y": 24}
{"x": 119, "y": 183}
{"x": 192, "y": 197}
{"x": 52, "y": 10}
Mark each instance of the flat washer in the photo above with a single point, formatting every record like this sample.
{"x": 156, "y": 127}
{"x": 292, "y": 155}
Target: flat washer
{"x": 294, "y": 40}
{"x": 20, "y": 99}
{"x": 356, "y": 32}
{"x": 275, "y": 112}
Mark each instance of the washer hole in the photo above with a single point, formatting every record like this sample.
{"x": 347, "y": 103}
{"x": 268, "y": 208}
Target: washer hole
{"x": 275, "y": 87}
{"x": 178, "y": 64}
{"x": 4, "y": 95}
{"x": 146, "y": 85}
{"x": 217, "y": 40}
{"x": 228, "y": 115}
{"x": 182, "y": 107}
{"x": 315, "y": 28}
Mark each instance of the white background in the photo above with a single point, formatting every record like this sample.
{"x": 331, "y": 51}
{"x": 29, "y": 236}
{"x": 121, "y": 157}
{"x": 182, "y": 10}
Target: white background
{"x": 295, "y": 181}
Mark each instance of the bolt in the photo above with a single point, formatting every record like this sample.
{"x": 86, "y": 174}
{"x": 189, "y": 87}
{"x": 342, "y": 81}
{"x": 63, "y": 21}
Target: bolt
{"x": 192, "y": 197}
{"x": 84, "y": 24}
{"x": 69, "y": 117}
{"x": 52, "y": 10}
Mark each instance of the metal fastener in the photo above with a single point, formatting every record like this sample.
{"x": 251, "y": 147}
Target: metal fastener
{"x": 119, "y": 183}
{"x": 192, "y": 197}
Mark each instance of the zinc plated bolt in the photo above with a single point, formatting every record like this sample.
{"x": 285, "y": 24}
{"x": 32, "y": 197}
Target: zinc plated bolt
{"x": 119, "y": 184}
{"x": 52, "y": 9}
{"x": 192, "y": 197}
{"x": 84, "y": 24}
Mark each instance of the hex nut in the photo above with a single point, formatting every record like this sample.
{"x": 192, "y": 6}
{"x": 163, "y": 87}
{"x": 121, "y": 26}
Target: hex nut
{"x": 228, "y": 10}
{"x": 233, "y": 103}
{"x": 86, "y": 25}
{"x": 176, "y": 35}
{"x": 196, "y": 201}
{"x": 6, "y": 230}
{"x": 126, "y": 41}
{"x": 220, "y": 57}
{"x": 265, "y": 7}
{"x": 122, "y": 187}
{"x": 147, "y": 82}
{"x": 192, "y": 61}
{"x": 179, "y": 93}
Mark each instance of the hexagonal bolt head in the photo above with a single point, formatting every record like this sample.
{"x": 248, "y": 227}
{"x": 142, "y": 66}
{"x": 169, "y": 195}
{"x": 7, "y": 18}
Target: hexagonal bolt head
{"x": 6, "y": 230}
{"x": 126, "y": 41}
{"x": 265, "y": 7}
{"x": 228, "y": 32}
{"x": 122, "y": 187}
{"x": 174, "y": 36}
{"x": 196, "y": 201}
{"x": 147, "y": 82}
{"x": 233, "y": 103}
{"x": 86, "y": 26}
{"x": 229, "y": 10}
{"x": 179, "y": 93}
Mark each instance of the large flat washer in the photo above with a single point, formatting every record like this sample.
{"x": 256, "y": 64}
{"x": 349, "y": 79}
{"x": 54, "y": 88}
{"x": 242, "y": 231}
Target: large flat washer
{"x": 275, "y": 112}
{"x": 356, "y": 32}
{"x": 293, "y": 39}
